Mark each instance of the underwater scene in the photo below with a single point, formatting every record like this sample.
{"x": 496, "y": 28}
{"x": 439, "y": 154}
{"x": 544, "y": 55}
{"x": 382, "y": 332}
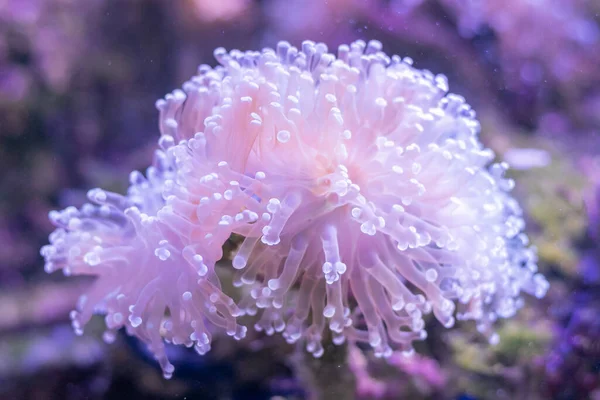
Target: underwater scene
{"x": 300, "y": 199}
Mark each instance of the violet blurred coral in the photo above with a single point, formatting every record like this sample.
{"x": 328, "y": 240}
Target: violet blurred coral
{"x": 573, "y": 362}
{"x": 565, "y": 50}
{"x": 362, "y": 191}
{"x": 55, "y": 33}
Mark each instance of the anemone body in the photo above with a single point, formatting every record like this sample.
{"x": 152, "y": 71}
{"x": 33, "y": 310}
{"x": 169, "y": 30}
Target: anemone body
{"x": 360, "y": 187}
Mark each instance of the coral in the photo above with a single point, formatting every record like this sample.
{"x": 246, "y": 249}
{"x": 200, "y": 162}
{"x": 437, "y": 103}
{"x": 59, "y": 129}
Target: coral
{"x": 398, "y": 377}
{"x": 519, "y": 343}
{"x": 360, "y": 187}
{"x": 572, "y": 364}
{"x": 563, "y": 54}
{"x": 554, "y": 203}
{"x": 44, "y": 28}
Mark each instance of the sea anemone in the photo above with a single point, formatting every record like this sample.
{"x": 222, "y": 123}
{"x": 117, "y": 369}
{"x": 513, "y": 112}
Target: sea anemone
{"x": 360, "y": 187}
{"x": 142, "y": 268}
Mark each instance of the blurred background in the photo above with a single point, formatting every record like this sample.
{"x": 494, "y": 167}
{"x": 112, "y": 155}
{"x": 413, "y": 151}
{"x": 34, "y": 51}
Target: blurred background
{"x": 78, "y": 82}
